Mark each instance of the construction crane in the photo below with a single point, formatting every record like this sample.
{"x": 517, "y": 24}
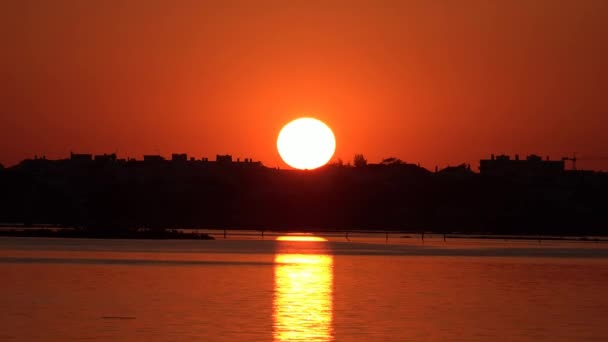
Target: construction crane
{"x": 574, "y": 158}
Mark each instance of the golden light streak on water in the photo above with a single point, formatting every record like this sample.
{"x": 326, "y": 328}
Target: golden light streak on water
{"x": 303, "y": 298}
{"x": 305, "y": 238}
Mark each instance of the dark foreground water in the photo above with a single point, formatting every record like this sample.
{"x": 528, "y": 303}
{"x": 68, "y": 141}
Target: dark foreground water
{"x": 248, "y": 289}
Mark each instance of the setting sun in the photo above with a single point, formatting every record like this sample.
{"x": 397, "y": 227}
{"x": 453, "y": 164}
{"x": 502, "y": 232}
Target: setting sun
{"x": 306, "y": 143}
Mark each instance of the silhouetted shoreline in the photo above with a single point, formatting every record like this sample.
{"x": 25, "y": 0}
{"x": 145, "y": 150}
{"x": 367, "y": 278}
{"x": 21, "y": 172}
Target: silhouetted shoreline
{"x": 106, "y": 196}
{"x": 530, "y": 238}
{"x": 87, "y": 234}
{"x": 191, "y": 234}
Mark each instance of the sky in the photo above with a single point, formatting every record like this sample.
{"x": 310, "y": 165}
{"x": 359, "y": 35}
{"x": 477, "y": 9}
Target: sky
{"x": 432, "y": 82}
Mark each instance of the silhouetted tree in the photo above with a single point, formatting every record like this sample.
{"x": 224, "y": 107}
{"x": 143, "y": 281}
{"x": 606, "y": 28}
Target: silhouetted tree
{"x": 359, "y": 160}
{"x": 391, "y": 161}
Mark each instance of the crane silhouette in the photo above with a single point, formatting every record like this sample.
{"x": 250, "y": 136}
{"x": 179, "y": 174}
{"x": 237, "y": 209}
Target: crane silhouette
{"x": 574, "y": 158}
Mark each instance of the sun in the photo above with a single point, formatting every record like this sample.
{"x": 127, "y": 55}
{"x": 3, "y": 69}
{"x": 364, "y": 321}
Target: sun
{"x": 306, "y": 143}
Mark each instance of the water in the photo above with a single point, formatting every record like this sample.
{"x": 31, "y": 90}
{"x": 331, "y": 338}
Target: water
{"x": 248, "y": 289}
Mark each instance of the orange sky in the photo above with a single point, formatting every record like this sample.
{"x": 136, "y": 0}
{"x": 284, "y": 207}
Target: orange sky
{"x": 435, "y": 82}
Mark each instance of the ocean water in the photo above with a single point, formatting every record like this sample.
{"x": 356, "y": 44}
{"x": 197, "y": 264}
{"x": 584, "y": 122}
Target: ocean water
{"x": 249, "y": 288}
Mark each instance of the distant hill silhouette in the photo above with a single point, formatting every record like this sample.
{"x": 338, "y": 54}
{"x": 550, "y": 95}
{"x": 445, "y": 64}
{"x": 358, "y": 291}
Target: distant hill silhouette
{"x": 110, "y": 194}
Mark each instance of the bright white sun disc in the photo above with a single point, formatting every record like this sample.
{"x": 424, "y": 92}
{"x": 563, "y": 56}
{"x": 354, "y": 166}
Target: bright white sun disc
{"x": 306, "y": 143}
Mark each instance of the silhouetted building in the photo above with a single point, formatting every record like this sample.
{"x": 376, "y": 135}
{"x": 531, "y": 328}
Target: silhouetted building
{"x": 81, "y": 157}
{"x": 153, "y": 158}
{"x": 533, "y": 165}
{"x": 223, "y": 159}
{"x": 248, "y": 162}
{"x": 105, "y": 157}
{"x": 179, "y": 157}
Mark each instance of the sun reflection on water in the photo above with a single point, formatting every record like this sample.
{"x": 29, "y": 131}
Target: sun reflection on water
{"x": 301, "y": 238}
{"x": 302, "y": 306}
